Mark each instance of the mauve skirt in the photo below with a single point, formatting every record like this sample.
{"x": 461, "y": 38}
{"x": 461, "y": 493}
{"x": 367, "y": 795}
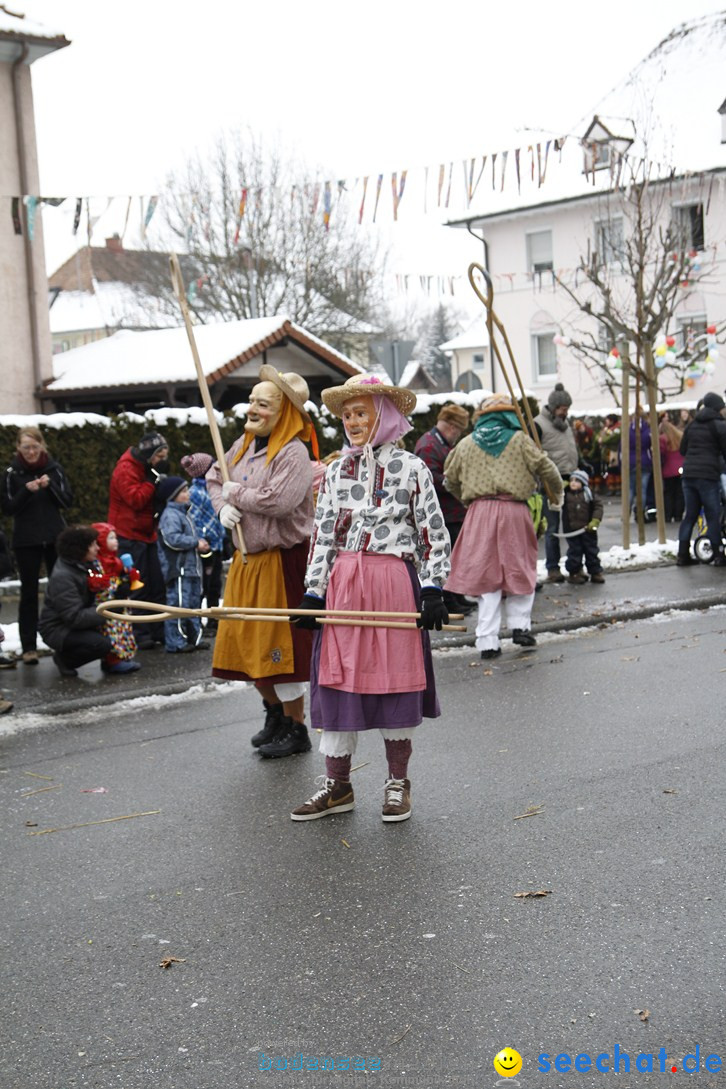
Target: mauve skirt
{"x": 340, "y": 710}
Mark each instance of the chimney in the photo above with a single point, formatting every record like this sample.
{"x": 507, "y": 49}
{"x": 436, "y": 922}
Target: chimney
{"x": 114, "y": 243}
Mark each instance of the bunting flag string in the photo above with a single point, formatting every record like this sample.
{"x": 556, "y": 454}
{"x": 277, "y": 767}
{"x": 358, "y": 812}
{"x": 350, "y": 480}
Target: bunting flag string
{"x": 379, "y": 183}
{"x": 517, "y": 168}
{"x": 363, "y": 199}
{"x": 442, "y": 175}
{"x": 77, "y": 216}
{"x": 494, "y": 180}
{"x": 448, "y": 190}
{"x": 241, "y": 212}
{"x": 327, "y": 204}
{"x": 505, "y": 156}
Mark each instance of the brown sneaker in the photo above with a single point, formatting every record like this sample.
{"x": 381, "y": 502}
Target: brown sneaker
{"x": 333, "y": 797}
{"x": 555, "y": 575}
{"x": 578, "y": 579}
{"x": 30, "y": 657}
{"x": 597, "y": 577}
{"x": 397, "y": 800}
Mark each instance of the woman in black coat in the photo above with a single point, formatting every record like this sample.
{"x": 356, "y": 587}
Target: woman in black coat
{"x": 69, "y": 622}
{"x": 34, "y": 492}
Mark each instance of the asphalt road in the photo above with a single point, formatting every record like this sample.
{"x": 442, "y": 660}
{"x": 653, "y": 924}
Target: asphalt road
{"x": 350, "y": 938}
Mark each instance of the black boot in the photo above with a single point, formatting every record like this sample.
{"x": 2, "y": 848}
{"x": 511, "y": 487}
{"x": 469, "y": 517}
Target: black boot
{"x": 273, "y": 721}
{"x": 291, "y": 738}
{"x": 684, "y": 558}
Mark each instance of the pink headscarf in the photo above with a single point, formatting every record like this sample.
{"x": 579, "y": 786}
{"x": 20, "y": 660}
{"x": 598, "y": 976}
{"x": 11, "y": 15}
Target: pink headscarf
{"x": 390, "y": 425}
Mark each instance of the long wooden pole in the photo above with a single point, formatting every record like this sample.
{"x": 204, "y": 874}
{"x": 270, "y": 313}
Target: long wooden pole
{"x": 178, "y": 285}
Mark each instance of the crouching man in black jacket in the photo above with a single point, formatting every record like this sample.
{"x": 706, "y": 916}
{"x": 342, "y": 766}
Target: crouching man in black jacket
{"x": 703, "y": 447}
{"x": 69, "y": 622}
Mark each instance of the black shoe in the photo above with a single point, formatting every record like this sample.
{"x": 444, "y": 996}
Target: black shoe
{"x": 719, "y": 560}
{"x": 145, "y": 644}
{"x": 292, "y": 738}
{"x": 493, "y": 653}
{"x": 203, "y": 644}
{"x": 685, "y": 560}
{"x": 63, "y": 668}
{"x": 7, "y": 663}
{"x": 523, "y": 638}
{"x": 274, "y": 720}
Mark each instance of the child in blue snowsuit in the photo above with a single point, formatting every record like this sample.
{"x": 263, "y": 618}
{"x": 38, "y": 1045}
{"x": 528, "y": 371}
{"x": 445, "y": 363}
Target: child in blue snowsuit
{"x": 179, "y": 545}
{"x": 208, "y": 526}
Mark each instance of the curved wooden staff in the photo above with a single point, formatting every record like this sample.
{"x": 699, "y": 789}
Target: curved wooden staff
{"x": 116, "y": 610}
{"x": 529, "y": 428}
{"x": 177, "y": 281}
{"x": 488, "y": 300}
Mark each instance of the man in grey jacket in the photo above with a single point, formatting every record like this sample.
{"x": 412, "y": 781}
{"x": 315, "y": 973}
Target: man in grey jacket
{"x": 558, "y": 442}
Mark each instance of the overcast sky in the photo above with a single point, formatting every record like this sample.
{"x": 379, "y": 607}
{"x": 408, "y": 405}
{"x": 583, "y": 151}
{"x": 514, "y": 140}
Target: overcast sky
{"x": 355, "y": 88}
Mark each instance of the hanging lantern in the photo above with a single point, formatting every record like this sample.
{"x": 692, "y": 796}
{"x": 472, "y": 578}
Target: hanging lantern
{"x": 660, "y": 362}
{"x": 670, "y": 341}
{"x": 661, "y": 350}
{"x": 709, "y": 367}
{"x": 670, "y": 357}
{"x": 690, "y": 382}
{"x": 711, "y": 330}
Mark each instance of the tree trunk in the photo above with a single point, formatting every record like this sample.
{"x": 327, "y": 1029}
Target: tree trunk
{"x": 625, "y": 449}
{"x": 655, "y": 444}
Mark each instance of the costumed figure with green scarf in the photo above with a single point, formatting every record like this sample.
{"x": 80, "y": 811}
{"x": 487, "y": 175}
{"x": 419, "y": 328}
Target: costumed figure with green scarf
{"x": 493, "y": 472}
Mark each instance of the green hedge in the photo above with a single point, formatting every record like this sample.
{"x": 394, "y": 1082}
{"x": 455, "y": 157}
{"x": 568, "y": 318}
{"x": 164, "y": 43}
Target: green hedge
{"x": 89, "y": 447}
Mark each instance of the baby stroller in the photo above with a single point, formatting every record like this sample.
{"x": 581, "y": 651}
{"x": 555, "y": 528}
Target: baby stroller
{"x": 702, "y": 547}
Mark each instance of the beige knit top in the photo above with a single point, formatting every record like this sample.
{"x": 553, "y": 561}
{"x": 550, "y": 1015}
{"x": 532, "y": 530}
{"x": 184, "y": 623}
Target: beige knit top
{"x": 470, "y": 473}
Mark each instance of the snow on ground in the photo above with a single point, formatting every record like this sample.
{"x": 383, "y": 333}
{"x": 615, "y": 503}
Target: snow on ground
{"x": 617, "y": 558}
{"x": 14, "y": 723}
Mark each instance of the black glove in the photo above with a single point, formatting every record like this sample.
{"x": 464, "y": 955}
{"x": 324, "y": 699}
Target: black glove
{"x": 123, "y": 590}
{"x": 433, "y": 611}
{"x": 310, "y": 601}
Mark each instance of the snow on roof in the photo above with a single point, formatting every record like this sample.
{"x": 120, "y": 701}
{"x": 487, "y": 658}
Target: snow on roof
{"x": 131, "y": 358}
{"x": 15, "y": 28}
{"x": 109, "y": 306}
{"x": 474, "y": 336}
{"x": 672, "y": 97}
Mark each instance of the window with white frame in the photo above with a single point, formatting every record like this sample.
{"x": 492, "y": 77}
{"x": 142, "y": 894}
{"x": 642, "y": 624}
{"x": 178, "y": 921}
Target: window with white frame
{"x": 544, "y": 356}
{"x": 609, "y": 240}
{"x": 690, "y": 334}
{"x": 689, "y": 226}
{"x": 539, "y": 252}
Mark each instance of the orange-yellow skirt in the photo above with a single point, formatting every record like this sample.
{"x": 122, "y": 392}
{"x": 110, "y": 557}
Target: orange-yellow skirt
{"x": 253, "y": 650}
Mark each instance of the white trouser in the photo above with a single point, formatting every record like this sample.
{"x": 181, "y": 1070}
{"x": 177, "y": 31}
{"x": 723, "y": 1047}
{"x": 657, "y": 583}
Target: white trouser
{"x": 345, "y": 742}
{"x": 286, "y": 693}
{"x": 519, "y": 613}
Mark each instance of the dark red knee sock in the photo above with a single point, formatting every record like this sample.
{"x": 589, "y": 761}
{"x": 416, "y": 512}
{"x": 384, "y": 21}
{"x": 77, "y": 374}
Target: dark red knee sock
{"x": 338, "y": 767}
{"x": 398, "y": 754}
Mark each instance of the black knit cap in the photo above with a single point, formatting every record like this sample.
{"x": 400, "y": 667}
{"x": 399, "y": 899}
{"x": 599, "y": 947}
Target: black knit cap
{"x": 74, "y": 541}
{"x": 169, "y": 488}
{"x": 714, "y": 401}
{"x": 149, "y": 444}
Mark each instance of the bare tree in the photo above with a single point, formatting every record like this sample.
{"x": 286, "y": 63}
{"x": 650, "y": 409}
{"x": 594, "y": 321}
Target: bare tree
{"x": 648, "y": 255}
{"x": 264, "y": 236}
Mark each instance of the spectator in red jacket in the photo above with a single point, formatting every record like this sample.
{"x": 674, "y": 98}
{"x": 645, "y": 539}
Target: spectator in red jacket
{"x": 131, "y": 511}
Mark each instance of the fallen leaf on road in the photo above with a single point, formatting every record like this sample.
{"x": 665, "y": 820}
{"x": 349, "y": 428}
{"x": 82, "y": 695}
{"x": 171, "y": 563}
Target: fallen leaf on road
{"x": 643, "y": 1014}
{"x": 670, "y": 791}
{"x": 34, "y": 775}
{"x": 168, "y": 961}
{"x": 533, "y": 893}
{"x": 40, "y": 790}
{"x": 531, "y": 811}
{"x": 488, "y": 672}
{"x": 345, "y": 843}
{"x": 559, "y": 658}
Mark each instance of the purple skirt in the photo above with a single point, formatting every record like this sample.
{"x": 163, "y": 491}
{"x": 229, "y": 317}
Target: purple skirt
{"x": 332, "y": 709}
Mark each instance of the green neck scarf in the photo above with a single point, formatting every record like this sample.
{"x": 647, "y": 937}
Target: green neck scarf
{"x": 493, "y": 431}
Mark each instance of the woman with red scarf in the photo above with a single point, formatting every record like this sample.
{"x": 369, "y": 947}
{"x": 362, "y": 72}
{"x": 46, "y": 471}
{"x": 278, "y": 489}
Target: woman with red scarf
{"x": 35, "y": 492}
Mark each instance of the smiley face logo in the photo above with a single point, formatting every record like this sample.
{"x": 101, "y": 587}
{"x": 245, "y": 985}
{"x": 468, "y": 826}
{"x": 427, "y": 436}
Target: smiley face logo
{"x": 508, "y": 1062}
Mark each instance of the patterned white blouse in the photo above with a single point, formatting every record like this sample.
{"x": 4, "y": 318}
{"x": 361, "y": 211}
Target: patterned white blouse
{"x": 384, "y": 503}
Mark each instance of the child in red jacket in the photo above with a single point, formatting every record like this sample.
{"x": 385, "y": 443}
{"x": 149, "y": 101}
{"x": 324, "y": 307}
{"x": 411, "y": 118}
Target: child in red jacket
{"x": 112, "y": 578}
